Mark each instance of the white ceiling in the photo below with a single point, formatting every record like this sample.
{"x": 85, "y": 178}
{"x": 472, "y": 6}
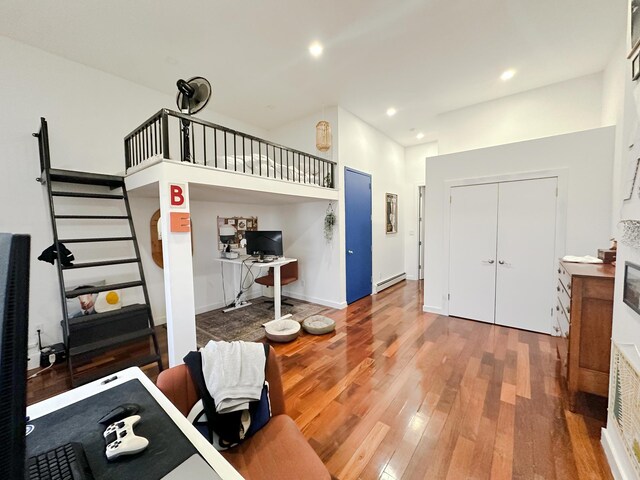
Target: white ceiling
{"x": 424, "y": 57}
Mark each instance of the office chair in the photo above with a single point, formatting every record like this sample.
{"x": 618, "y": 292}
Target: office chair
{"x": 288, "y": 274}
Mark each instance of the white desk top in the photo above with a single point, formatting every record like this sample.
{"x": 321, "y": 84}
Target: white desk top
{"x": 247, "y": 258}
{"x": 208, "y": 452}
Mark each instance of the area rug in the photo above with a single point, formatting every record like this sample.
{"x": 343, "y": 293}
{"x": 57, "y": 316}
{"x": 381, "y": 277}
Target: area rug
{"x": 246, "y": 323}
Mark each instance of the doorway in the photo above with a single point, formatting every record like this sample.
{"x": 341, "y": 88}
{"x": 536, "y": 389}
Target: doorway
{"x": 358, "y": 231}
{"x": 421, "y": 234}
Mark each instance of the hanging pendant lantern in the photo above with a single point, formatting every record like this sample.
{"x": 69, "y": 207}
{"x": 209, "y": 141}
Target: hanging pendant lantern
{"x": 323, "y": 136}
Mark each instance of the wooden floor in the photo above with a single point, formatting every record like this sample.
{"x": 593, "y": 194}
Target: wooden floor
{"x": 398, "y": 393}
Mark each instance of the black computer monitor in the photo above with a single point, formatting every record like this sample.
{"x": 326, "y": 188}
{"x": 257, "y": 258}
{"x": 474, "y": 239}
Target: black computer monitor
{"x": 14, "y": 312}
{"x": 264, "y": 242}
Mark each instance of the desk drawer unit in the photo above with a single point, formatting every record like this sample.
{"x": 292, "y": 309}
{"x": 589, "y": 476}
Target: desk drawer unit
{"x": 583, "y": 326}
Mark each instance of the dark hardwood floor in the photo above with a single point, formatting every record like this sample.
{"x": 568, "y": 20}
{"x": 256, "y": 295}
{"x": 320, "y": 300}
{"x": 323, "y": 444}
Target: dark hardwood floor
{"x": 398, "y": 393}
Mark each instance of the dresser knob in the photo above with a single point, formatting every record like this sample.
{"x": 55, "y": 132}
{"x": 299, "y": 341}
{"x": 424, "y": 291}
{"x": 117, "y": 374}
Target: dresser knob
{"x": 558, "y": 288}
{"x": 558, "y": 308}
{"x": 568, "y": 309}
{"x": 559, "y": 271}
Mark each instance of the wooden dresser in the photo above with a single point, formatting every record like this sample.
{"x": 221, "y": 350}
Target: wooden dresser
{"x": 584, "y": 313}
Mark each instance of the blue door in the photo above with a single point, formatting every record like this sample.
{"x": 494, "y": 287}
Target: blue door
{"x": 357, "y": 196}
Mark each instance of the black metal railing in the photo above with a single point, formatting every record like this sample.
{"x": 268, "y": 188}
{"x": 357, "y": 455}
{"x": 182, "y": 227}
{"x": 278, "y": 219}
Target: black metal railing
{"x": 173, "y": 135}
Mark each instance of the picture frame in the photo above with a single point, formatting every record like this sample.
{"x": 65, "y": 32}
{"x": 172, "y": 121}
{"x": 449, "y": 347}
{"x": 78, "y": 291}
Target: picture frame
{"x": 631, "y": 289}
{"x": 635, "y": 26}
{"x": 635, "y": 67}
{"x": 391, "y": 213}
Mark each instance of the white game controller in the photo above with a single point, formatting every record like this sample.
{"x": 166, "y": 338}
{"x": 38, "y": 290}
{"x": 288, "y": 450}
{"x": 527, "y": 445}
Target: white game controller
{"x": 123, "y": 441}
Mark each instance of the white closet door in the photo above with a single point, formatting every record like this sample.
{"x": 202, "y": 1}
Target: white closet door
{"x": 472, "y": 252}
{"x": 526, "y": 254}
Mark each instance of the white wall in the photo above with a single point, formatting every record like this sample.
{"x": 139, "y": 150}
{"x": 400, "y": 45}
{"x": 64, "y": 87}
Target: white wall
{"x": 559, "y": 108}
{"x": 321, "y": 263}
{"x": 587, "y": 155}
{"x": 622, "y": 103}
{"x": 364, "y": 148}
{"x": 89, "y": 113}
{"x": 414, "y": 161}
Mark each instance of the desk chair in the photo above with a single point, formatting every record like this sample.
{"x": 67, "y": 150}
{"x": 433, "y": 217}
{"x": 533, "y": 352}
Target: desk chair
{"x": 277, "y": 450}
{"x": 288, "y": 274}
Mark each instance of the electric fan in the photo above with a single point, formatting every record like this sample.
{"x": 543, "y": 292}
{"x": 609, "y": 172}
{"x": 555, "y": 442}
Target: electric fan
{"x": 193, "y": 95}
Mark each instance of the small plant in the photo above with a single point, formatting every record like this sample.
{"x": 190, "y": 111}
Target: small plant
{"x": 329, "y": 223}
{"x": 327, "y": 181}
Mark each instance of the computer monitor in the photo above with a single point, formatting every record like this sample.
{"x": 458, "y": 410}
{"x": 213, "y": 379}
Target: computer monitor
{"x": 14, "y": 312}
{"x": 264, "y": 242}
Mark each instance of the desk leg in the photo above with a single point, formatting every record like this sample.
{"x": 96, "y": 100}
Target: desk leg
{"x": 277, "y": 292}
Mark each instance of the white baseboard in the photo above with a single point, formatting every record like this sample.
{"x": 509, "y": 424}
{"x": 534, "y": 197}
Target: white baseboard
{"x": 621, "y": 468}
{"x": 432, "y": 309}
{"x": 319, "y": 301}
{"x": 412, "y": 277}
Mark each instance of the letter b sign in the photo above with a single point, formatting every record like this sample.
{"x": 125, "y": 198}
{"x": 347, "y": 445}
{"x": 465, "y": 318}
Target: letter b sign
{"x": 177, "y": 196}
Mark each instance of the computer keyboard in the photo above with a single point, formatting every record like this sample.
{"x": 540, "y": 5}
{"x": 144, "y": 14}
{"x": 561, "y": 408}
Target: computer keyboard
{"x": 65, "y": 462}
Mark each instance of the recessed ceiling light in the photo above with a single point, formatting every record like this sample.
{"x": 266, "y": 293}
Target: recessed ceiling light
{"x": 315, "y": 49}
{"x": 420, "y": 136}
{"x": 391, "y": 111}
{"x": 507, "y": 75}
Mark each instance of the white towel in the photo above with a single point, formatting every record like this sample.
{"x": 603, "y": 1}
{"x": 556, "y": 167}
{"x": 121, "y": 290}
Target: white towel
{"x": 233, "y": 373}
{"x": 585, "y": 259}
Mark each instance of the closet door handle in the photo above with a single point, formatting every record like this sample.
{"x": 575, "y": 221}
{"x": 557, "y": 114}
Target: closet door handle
{"x": 501, "y": 262}
{"x": 350, "y": 252}
{"x": 490, "y": 262}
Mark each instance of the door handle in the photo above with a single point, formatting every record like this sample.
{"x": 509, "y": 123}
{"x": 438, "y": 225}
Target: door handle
{"x": 490, "y": 262}
{"x": 501, "y": 262}
{"x": 350, "y": 252}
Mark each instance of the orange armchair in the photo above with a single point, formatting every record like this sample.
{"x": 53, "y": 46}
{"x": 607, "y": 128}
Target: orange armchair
{"x": 278, "y": 450}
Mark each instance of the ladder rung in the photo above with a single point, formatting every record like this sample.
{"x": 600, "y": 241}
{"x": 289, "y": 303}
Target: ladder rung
{"x": 87, "y": 195}
{"x": 96, "y": 239}
{"x": 101, "y": 263}
{"x": 92, "y": 217}
{"x": 102, "y": 288}
{"x": 87, "y": 178}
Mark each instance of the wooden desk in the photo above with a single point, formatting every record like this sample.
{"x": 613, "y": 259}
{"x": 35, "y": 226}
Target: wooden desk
{"x": 584, "y": 313}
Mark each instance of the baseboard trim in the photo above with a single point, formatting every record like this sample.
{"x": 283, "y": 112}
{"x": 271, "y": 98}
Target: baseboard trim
{"x": 432, "y": 309}
{"x": 319, "y": 301}
{"x": 619, "y": 465}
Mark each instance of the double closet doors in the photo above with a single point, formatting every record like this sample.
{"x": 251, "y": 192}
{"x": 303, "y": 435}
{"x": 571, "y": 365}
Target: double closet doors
{"x": 502, "y": 252}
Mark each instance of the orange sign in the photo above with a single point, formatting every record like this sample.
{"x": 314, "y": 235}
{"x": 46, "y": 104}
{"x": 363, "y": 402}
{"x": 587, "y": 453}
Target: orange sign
{"x": 180, "y": 222}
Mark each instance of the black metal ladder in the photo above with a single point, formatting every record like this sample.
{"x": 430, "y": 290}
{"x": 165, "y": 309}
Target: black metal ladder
{"x": 90, "y": 335}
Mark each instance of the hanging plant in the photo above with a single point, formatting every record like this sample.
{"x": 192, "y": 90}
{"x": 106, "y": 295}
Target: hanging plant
{"x": 329, "y": 223}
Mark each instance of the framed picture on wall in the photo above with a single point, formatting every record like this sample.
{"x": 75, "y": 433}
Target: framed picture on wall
{"x": 635, "y": 26}
{"x": 391, "y": 213}
{"x": 631, "y": 291}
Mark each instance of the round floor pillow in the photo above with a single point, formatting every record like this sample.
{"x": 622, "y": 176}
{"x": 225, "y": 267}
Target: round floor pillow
{"x": 318, "y": 325}
{"x": 283, "y": 331}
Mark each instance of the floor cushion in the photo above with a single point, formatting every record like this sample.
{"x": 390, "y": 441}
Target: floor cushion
{"x": 318, "y": 325}
{"x": 284, "y": 330}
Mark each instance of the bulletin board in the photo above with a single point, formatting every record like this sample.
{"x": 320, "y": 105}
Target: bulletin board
{"x": 241, "y": 224}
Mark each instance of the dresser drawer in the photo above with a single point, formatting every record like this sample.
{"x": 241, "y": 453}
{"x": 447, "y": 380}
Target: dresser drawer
{"x": 562, "y": 323}
{"x": 564, "y": 299}
{"x": 565, "y": 278}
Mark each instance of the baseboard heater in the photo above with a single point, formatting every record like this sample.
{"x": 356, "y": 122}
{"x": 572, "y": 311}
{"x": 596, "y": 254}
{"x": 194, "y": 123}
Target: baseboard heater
{"x": 390, "y": 281}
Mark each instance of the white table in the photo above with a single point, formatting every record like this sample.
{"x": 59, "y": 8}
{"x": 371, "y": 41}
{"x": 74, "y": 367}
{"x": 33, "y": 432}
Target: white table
{"x": 275, "y": 264}
{"x": 205, "y": 449}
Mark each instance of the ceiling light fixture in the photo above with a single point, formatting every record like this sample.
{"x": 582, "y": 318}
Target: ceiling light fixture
{"x": 420, "y": 136}
{"x": 315, "y": 49}
{"x": 507, "y": 75}
{"x": 391, "y": 111}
